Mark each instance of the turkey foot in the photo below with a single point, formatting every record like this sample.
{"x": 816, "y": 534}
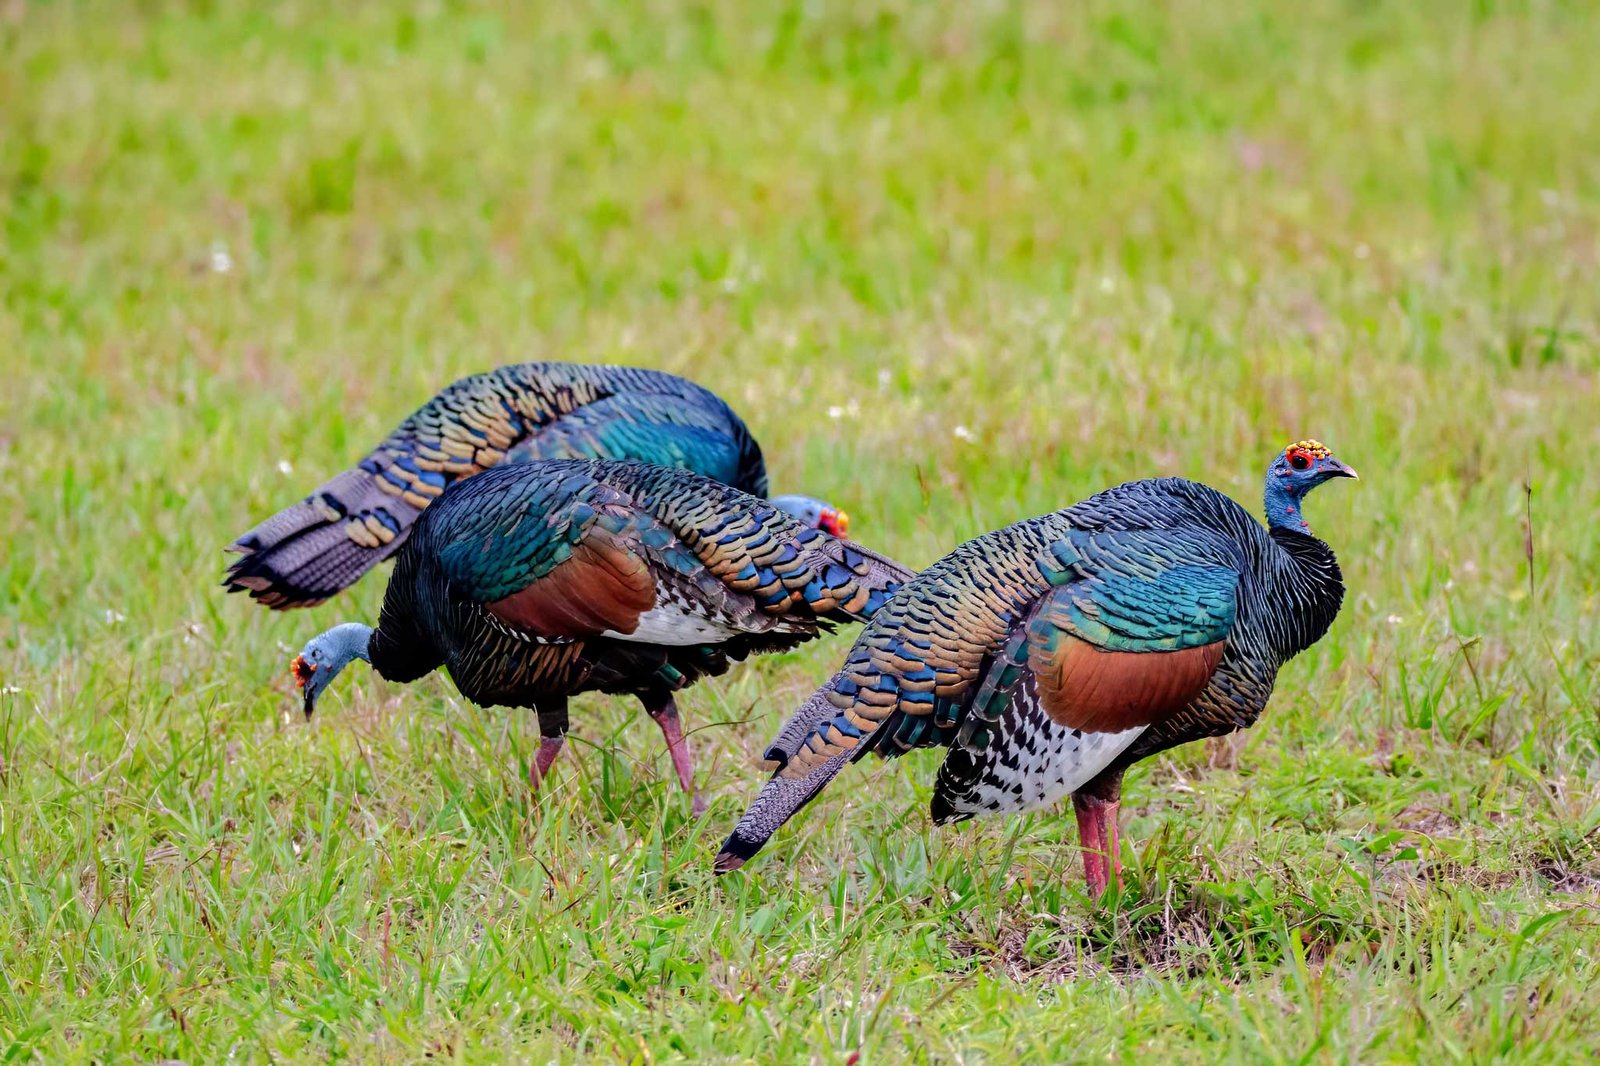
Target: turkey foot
{"x": 665, "y": 714}
{"x": 549, "y": 748}
{"x": 1097, "y": 837}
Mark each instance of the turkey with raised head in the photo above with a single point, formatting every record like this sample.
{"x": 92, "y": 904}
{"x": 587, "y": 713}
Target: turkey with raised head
{"x": 536, "y": 581}
{"x": 529, "y": 411}
{"x": 1050, "y": 655}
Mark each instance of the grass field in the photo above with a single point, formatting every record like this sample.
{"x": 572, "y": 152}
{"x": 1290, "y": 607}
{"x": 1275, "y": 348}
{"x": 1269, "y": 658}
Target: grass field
{"x": 956, "y": 265}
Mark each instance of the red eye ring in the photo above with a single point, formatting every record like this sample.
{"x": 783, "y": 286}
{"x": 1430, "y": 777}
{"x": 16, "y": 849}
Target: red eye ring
{"x": 1299, "y": 460}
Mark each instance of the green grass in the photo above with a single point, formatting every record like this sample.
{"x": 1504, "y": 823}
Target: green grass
{"x": 957, "y": 266}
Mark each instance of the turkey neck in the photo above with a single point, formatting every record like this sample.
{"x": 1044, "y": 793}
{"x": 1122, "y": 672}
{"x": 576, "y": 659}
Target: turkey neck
{"x": 400, "y": 650}
{"x": 398, "y": 660}
{"x": 1308, "y": 577}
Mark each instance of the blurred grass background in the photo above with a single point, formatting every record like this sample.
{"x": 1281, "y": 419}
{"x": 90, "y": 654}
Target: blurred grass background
{"x": 956, "y": 265}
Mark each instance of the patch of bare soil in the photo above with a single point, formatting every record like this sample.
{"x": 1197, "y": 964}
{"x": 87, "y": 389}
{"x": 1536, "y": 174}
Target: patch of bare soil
{"x": 1428, "y": 821}
{"x": 1458, "y": 873}
{"x": 1581, "y": 879}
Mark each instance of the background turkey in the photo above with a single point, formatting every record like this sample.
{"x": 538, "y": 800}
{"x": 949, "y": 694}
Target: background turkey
{"x": 536, "y": 581}
{"x": 1052, "y": 654}
{"x": 306, "y": 553}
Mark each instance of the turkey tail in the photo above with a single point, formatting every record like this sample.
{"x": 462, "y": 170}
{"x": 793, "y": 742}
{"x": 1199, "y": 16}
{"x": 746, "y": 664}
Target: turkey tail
{"x": 306, "y": 553}
{"x": 798, "y": 728}
{"x": 817, "y": 740}
{"x": 783, "y": 795}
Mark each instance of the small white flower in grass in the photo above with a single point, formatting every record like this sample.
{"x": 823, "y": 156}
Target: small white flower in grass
{"x": 835, "y": 411}
{"x": 1394, "y": 619}
{"x": 113, "y": 617}
{"x": 9, "y": 690}
{"x": 221, "y": 261}
{"x": 963, "y": 433}
{"x": 285, "y": 467}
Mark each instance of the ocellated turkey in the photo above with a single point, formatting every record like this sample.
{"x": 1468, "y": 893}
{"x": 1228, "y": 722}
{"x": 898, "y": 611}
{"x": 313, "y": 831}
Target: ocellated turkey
{"x": 536, "y": 581}
{"x": 1050, "y": 655}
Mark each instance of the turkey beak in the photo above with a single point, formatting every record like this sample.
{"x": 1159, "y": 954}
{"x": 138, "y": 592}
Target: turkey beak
{"x": 1338, "y": 469}
{"x": 303, "y": 672}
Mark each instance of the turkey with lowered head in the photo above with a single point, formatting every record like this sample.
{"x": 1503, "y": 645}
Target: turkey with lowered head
{"x": 536, "y": 581}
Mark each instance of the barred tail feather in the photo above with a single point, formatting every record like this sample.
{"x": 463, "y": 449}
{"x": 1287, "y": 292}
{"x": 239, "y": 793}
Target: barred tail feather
{"x": 782, "y": 797}
{"x": 306, "y": 553}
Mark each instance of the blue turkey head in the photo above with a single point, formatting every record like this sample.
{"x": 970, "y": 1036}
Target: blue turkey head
{"x": 325, "y": 655}
{"x": 815, "y": 513}
{"x": 1301, "y": 467}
